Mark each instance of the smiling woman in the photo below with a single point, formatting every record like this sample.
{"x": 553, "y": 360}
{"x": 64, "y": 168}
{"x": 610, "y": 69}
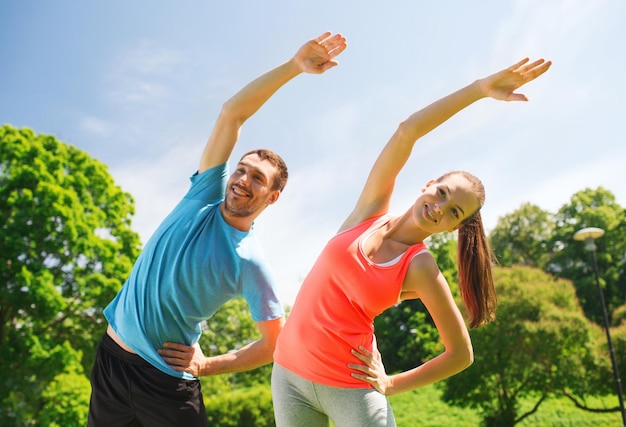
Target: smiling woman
{"x": 326, "y": 354}
{"x": 454, "y": 198}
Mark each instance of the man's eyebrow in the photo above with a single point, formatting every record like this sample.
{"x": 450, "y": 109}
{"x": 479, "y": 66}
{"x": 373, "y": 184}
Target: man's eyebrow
{"x": 257, "y": 170}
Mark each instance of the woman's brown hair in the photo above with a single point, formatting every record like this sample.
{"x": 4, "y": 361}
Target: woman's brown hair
{"x": 474, "y": 259}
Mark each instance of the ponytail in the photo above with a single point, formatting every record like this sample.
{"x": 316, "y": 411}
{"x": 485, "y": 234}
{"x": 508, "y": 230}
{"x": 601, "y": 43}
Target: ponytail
{"x": 475, "y": 279}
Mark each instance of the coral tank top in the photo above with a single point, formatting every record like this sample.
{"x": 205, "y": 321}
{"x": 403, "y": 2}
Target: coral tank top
{"x": 336, "y": 305}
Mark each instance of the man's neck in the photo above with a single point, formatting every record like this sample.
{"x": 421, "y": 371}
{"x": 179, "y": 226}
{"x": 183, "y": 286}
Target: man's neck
{"x": 239, "y": 223}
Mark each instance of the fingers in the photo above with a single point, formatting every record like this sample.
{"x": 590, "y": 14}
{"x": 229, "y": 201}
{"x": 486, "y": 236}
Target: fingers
{"x": 335, "y": 45}
{"x": 518, "y": 64}
{"x": 525, "y": 66}
{"x": 362, "y": 358}
{"x": 176, "y": 362}
{"x": 539, "y": 67}
{"x": 330, "y": 45}
{"x": 177, "y": 346}
{"x": 364, "y": 355}
{"x": 374, "y": 382}
{"x": 330, "y": 42}
{"x": 530, "y": 71}
{"x": 174, "y": 353}
{"x": 363, "y": 378}
{"x": 322, "y": 37}
{"x": 362, "y": 368}
{"x": 336, "y": 51}
{"x": 174, "y": 356}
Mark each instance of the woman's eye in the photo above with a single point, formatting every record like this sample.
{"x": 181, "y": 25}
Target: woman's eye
{"x": 442, "y": 193}
{"x": 455, "y": 212}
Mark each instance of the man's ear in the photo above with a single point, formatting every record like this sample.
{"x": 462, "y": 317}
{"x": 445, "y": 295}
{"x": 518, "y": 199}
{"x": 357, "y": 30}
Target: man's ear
{"x": 272, "y": 198}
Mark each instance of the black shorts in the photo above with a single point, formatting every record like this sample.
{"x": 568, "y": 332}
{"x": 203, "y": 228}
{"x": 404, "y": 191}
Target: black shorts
{"x": 128, "y": 391}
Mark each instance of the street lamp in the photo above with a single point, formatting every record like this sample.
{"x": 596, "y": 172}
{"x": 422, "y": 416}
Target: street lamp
{"x": 588, "y": 235}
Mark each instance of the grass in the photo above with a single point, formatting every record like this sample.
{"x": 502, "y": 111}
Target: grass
{"x": 424, "y": 408}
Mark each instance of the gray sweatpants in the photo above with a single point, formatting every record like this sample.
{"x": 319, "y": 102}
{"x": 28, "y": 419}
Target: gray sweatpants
{"x": 302, "y": 403}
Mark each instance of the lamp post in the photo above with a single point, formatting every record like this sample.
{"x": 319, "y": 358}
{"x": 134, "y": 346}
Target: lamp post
{"x": 588, "y": 235}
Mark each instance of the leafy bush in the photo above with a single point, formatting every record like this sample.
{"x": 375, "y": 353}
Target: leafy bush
{"x": 241, "y": 408}
{"x": 66, "y": 401}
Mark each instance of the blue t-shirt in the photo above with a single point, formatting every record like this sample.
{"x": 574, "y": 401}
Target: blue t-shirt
{"x": 191, "y": 266}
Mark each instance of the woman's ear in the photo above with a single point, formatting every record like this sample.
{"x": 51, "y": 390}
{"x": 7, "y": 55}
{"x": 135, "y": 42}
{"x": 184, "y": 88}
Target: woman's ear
{"x": 452, "y": 230}
{"x": 428, "y": 184}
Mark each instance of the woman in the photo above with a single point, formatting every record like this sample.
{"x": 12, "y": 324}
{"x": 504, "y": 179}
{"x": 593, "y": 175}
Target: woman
{"x": 326, "y": 364}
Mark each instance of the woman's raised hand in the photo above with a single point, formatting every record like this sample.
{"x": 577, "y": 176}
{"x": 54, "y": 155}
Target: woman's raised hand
{"x": 503, "y": 84}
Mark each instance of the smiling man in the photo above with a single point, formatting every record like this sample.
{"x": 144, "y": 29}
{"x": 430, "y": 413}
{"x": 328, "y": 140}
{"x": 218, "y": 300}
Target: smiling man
{"x": 203, "y": 254}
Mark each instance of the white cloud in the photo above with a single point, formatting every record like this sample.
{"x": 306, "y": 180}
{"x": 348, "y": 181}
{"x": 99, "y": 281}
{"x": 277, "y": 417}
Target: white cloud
{"x": 94, "y": 125}
{"x": 536, "y": 28}
{"x": 139, "y": 73}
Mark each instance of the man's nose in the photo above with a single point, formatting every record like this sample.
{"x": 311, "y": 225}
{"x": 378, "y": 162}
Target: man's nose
{"x": 244, "y": 178}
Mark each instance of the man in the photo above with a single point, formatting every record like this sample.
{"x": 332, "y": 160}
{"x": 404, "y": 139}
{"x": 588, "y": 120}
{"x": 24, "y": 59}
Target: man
{"x": 202, "y": 255}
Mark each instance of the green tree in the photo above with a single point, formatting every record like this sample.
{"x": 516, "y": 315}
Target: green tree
{"x": 540, "y": 345}
{"x": 522, "y": 237}
{"x": 229, "y": 329}
{"x": 406, "y": 336}
{"x": 592, "y": 208}
{"x": 443, "y": 246}
{"x": 66, "y": 398}
{"x": 242, "y": 398}
{"x": 66, "y": 249}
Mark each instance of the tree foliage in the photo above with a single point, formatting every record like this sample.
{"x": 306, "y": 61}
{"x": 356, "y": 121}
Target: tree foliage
{"x": 243, "y": 407}
{"x": 533, "y": 237}
{"x": 67, "y": 247}
{"x": 406, "y": 336}
{"x": 539, "y": 346}
{"x": 229, "y": 329}
{"x": 523, "y": 237}
{"x": 570, "y": 259}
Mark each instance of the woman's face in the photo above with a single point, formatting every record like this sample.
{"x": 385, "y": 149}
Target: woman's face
{"x": 444, "y": 205}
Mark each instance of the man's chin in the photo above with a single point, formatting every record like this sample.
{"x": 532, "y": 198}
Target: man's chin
{"x": 237, "y": 212}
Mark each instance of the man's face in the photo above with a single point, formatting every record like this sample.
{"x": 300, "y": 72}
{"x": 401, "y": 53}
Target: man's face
{"x": 248, "y": 190}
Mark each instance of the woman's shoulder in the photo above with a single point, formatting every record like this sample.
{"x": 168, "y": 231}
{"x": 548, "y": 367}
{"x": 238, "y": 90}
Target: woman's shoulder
{"x": 423, "y": 268}
{"x": 424, "y": 262}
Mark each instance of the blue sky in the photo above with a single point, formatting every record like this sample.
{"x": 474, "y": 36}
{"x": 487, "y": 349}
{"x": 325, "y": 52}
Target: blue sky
{"x": 138, "y": 85}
